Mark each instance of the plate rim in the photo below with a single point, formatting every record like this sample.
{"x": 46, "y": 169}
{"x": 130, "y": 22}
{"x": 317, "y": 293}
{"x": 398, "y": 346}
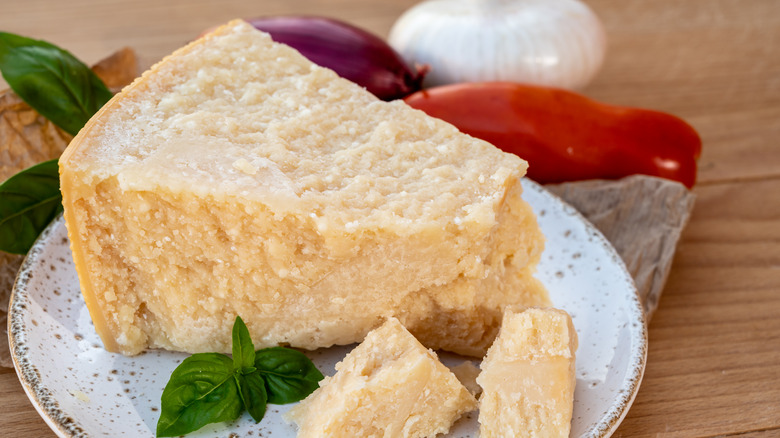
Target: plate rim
{"x": 43, "y": 402}
{"x": 67, "y": 427}
{"x": 638, "y": 360}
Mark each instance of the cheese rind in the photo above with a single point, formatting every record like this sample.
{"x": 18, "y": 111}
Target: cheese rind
{"x": 388, "y": 386}
{"x": 237, "y": 178}
{"x": 528, "y": 376}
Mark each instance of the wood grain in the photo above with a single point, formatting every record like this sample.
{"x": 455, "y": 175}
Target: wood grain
{"x": 19, "y": 418}
{"x": 715, "y": 340}
{"x": 715, "y": 63}
{"x": 713, "y": 365}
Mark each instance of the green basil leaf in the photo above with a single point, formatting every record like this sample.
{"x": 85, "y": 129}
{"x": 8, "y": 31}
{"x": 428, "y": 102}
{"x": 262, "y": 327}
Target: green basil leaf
{"x": 29, "y": 200}
{"x": 243, "y": 348}
{"x": 252, "y": 390}
{"x": 201, "y": 390}
{"x": 289, "y": 375}
{"x": 51, "y": 80}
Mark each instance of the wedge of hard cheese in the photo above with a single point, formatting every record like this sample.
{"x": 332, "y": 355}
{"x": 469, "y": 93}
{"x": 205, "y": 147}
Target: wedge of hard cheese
{"x": 528, "y": 378}
{"x": 388, "y": 386}
{"x": 237, "y": 178}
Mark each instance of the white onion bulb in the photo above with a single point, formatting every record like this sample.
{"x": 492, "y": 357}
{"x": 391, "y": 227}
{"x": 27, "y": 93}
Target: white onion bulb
{"x": 559, "y": 43}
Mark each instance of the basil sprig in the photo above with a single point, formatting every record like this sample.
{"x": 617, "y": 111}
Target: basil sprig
{"x": 68, "y": 93}
{"x": 29, "y": 200}
{"x": 52, "y": 81}
{"x": 202, "y": 390}
{"x": 287, "y": 373}
{"x": 210, "y": 387}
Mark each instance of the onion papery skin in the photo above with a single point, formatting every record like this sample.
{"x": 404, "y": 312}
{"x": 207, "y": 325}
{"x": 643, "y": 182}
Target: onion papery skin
{"x": 557, "y": 43}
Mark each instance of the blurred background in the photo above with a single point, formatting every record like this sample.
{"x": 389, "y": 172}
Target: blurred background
{"x": 715, "y": 339}
{"x": 675, "y": 56}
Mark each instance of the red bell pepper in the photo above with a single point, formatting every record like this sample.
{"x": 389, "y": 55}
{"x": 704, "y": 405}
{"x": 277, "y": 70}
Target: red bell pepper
{"x": 565, "y": 136}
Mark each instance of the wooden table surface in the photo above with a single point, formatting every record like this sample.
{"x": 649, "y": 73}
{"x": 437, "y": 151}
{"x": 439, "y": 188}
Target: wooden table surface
{"x": 714, "y": 360}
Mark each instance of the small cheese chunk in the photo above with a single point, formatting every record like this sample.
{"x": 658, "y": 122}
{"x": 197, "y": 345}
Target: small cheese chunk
{"x": 388, "y": 386}
{"x": 528, "y": 376}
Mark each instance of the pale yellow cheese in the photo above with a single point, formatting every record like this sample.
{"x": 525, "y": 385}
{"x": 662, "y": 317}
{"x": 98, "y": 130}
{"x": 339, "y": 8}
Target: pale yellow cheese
{"x": 389, "y": 386}
{"x": 528, "y": 376}
{"x": 467, "y": 374}
{"x": 237, "y": 178}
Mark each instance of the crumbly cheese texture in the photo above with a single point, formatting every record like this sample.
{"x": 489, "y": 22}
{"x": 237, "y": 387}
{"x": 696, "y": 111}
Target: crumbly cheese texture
{"x": 467, "y": 374}
{"x": 528, "y": 376}
{"x": 389, "y": 386}
{"x": 237, "y": 178}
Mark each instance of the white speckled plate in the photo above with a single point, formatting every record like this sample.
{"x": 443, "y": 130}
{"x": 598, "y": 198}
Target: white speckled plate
{"x": 82, "y": 390}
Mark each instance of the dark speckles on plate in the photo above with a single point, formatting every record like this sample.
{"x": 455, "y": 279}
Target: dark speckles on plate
{"x": 129, "y": 401}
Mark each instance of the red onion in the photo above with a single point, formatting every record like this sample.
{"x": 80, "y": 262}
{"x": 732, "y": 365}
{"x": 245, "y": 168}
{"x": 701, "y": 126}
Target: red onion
{"x": 351, "y": 52}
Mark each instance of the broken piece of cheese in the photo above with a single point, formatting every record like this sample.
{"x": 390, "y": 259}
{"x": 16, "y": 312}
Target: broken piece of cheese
{"x": 237, "y": 178}
{"x": 528, "y": 376}
{"x": 388, "y": 386}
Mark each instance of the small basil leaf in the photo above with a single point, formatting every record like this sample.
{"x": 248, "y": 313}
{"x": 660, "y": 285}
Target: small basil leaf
{"x": 29, "y": 200}
{"x": 52, "y": 81}
{"x": 201, "y": 390}
{"x": 243, "y": 348}
{"x": 252, "y": 390}
{"x": 289, "y": 375}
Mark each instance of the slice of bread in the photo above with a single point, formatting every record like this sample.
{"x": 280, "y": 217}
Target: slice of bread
{"x": 388, "y": 386}
{"x": 237, "y": 178}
